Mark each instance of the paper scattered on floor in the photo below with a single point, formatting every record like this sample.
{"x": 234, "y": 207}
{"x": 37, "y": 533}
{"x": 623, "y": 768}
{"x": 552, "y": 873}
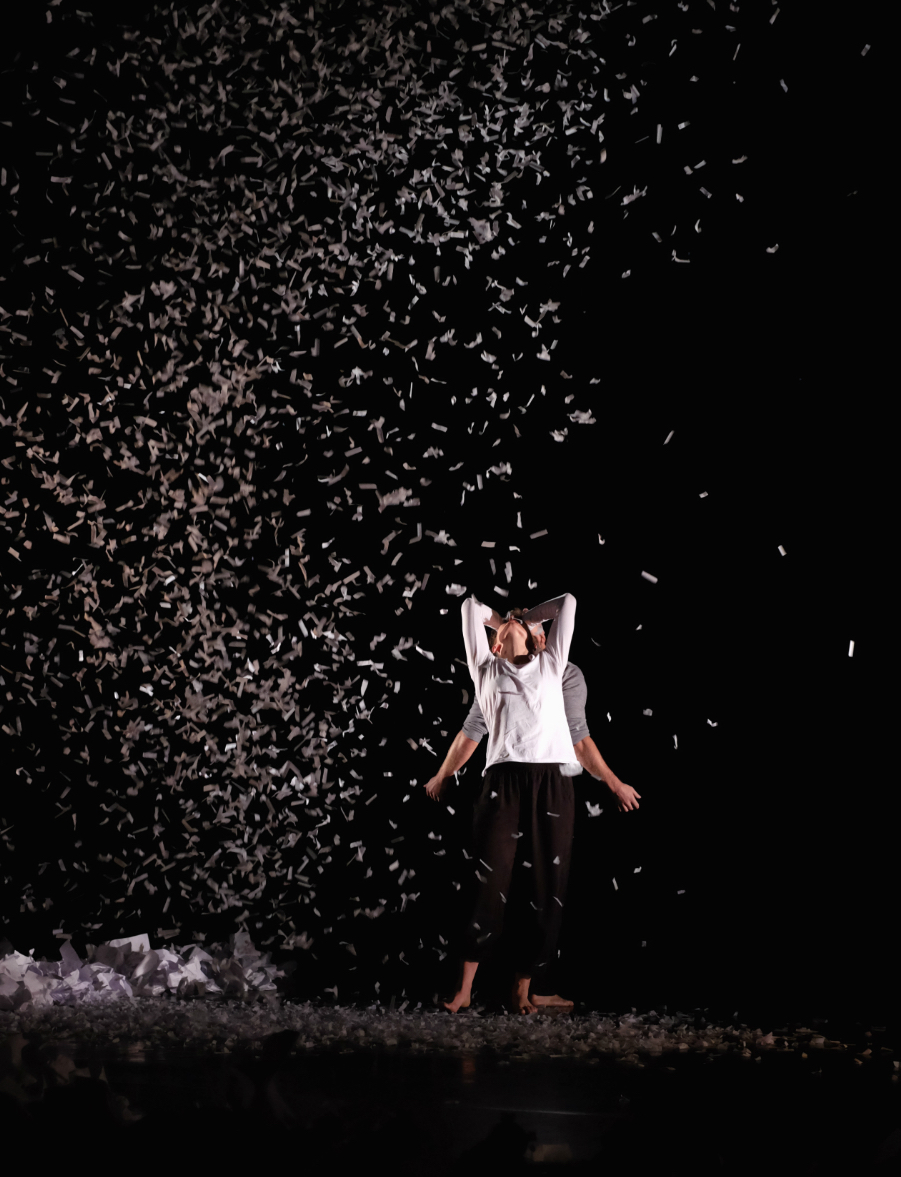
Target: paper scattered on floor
{"x": 143, "y": 997}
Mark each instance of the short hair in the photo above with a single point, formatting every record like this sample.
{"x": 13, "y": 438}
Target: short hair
{"x": 515, "y": 615}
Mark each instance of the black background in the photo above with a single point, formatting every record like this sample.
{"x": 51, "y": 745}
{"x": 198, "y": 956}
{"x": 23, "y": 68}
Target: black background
{"x": 778, "y": 818}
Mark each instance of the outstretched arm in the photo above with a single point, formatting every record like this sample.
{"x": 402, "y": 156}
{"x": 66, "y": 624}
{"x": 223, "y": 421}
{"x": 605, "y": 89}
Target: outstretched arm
{"x": 586, "y": 752}
{"x": 589, "y": 756}
{"x": 460, "y": 751}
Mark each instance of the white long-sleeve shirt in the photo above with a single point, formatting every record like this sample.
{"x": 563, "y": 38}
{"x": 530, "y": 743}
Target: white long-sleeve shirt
{"x": 523, "y": 705}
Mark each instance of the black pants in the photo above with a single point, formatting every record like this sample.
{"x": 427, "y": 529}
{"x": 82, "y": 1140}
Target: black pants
{"x": 522, "y": 837}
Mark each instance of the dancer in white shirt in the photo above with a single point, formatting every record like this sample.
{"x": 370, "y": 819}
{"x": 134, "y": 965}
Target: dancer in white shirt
{"x": 585, "y": 750}
{"x": 523, "y": 819}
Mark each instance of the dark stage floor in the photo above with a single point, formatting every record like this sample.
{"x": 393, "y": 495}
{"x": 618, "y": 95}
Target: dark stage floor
{"x": 428, "y": 1092}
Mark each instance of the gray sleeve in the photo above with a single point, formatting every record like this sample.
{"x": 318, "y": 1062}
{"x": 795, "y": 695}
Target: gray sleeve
{"x": 575, "y": 696}
{"x": 475, "y": 726}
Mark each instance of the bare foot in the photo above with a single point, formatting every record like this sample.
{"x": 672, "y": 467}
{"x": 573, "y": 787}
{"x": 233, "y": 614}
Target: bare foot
{"x": 460, "y": 1001}
{"x": 520, "y": 1003}
{"x": 555, "y": 1000}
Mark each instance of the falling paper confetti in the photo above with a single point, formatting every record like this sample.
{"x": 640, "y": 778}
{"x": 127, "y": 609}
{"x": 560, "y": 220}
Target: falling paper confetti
{"x": 244, "y": 249}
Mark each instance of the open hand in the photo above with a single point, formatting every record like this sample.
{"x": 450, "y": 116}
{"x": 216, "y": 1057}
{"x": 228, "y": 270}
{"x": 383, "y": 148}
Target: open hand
{"x": 435, "y": 787}
{"x": 625, "y": 796}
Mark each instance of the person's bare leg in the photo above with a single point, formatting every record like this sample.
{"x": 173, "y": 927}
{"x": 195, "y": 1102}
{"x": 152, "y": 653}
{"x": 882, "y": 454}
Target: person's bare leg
{"x": 463, "y": 995}
{"x": 520, "y": 1003}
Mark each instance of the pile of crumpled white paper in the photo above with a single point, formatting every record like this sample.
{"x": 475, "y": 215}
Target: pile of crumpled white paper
{"x": 130, "y": 967}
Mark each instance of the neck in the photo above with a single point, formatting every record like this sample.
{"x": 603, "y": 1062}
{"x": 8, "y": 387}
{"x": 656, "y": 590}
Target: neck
{"x": 515, "y": 655}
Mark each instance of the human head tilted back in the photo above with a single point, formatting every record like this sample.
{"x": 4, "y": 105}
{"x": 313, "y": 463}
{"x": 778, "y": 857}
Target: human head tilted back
{"x": 507, "y": 642}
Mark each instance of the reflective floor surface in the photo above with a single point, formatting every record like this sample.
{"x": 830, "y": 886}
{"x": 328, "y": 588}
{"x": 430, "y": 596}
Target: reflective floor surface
{"x": 831, "y": 1107}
